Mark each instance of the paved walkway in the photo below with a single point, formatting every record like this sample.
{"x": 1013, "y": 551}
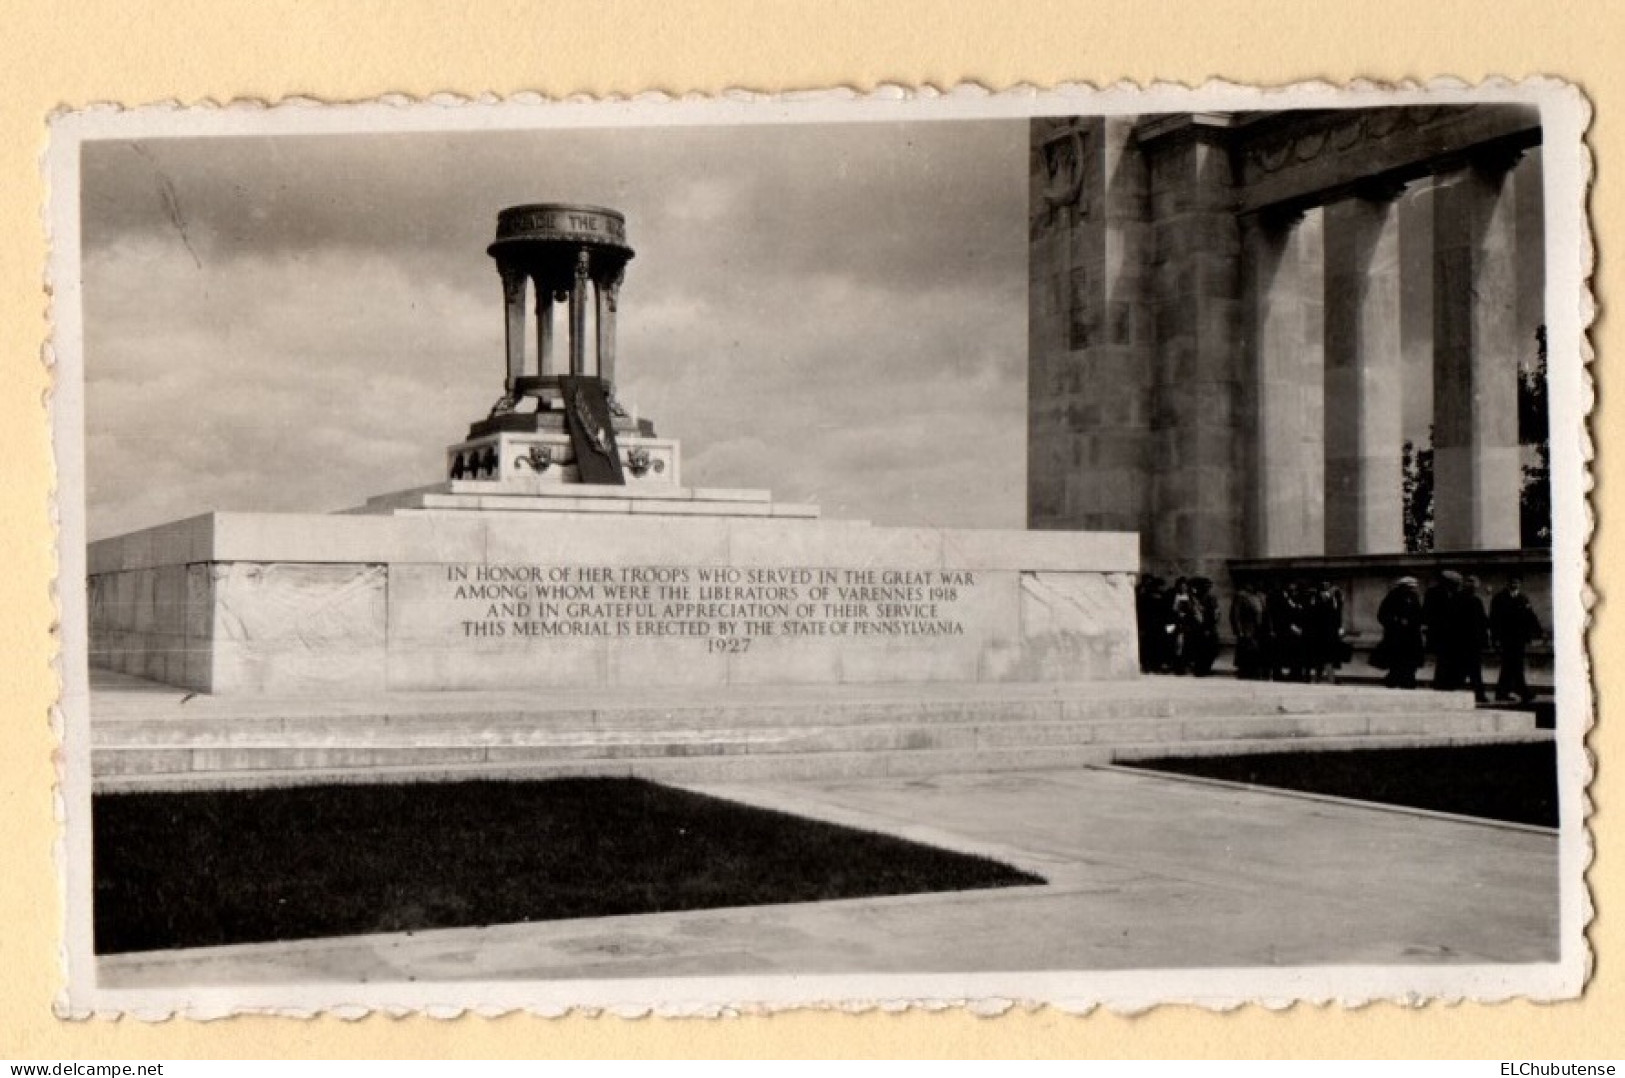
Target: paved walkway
{"x": 1144, "y": 872}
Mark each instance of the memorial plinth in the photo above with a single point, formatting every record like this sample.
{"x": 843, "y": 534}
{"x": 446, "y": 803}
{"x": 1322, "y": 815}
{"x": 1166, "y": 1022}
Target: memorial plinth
{"x": 563, "y": 551}
{"x": 483, "y": 599}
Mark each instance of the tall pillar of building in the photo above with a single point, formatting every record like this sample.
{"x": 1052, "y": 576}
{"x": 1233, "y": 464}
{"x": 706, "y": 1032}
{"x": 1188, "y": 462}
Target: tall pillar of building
{"x": 1416, "y": 316}
{"x": 1477, "y": 477}
{"x": 1530, "y": 207}
{"x": 1200, "y": 431}
{"x": 1364, "y": 377}
{"x": 1283, "y": 286}
{"x": 1090, "y": 326}
{"x": 1534, "y": 434}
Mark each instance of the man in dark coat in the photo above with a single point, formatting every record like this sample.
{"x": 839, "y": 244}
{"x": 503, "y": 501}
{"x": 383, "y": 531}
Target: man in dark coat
{"x": 1469, "y": 628}
{"x": 1285, "y": 615}
{"x": 1438, "y": 622}
{"x": 1325, "y": 611}
{"x": 1150, "y": 604}
{"x": 1513, "y": 625}
{"x": 1400, "y": 651}
{"x": 1247, "y": 623}
{"x": 1204, "y": 643}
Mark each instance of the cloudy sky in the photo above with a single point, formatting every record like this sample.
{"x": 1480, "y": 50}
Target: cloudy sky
{"x": 835, "y": 312}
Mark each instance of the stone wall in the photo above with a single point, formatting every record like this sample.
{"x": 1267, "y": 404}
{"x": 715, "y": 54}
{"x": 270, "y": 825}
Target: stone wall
{"x": 152, "y": 622}
{"x": 421, "y": 601}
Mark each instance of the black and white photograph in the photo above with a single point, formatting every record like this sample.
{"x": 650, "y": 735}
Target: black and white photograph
{"x": 1085, "y": 548}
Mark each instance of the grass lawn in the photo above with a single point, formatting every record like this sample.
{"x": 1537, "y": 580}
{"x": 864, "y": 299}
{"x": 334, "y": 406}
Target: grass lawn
{"x": 1516, "y": 782}
{"x": 199, "y": 869}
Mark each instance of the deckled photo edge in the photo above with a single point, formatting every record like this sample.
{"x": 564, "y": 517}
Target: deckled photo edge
{"x": 63, "y": 352}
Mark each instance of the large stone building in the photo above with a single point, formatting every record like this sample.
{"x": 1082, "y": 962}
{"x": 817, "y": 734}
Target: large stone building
{"x": 1239, "y": 320}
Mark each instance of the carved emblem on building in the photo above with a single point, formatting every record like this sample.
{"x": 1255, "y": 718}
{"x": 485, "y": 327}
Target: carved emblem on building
{"x": 1341, "y": 132}
{"x": 1063, "y": 164}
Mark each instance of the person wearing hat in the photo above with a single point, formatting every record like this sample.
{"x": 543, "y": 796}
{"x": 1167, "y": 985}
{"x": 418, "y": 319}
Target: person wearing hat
{"x": 1513, "y": 624}
{"x": 1467, "y": 633}
{"x": 1400, "y": 652}
{"x": 1284, "y": 614}
{"x": 1437, "y": 617}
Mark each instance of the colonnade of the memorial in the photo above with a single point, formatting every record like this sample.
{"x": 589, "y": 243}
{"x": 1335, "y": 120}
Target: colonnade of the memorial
{"x": 1448, "y": 264}
{"x": 577, "y": 289}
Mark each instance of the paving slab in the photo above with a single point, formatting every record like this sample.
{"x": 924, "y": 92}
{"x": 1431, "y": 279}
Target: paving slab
{"x": 1143, "y": 872}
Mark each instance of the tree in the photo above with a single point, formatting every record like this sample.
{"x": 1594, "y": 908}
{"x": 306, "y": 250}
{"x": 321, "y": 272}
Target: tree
{"x": 1417, "y": 465}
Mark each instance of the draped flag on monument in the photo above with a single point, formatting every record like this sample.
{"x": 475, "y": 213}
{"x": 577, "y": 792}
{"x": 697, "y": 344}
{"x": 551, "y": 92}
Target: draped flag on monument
{"x": 592, "y": 430}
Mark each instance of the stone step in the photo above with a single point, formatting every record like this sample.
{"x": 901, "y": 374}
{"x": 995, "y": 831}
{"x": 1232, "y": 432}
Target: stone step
{"x": 1359, "y": 672}
{"x": 153, "y": 737}
{"x": 384, "y": 748}
{"x": 833, "y": 713}
{"x": 558, "y": 731}
{"x": 1256, "y": 746}
{"x": 130, "y": 699}
{"x": 760, "y": 766}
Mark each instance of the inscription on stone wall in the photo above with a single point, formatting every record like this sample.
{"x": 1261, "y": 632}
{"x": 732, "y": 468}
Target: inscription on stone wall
{"x": 723, "y": 607}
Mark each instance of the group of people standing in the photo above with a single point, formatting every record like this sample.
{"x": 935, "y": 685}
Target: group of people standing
{"x": 1451, "y": 623}
{"x": 1292, "y": 632}
{"x": 1179, "y": 625}
{"x": 1296, "y": 632}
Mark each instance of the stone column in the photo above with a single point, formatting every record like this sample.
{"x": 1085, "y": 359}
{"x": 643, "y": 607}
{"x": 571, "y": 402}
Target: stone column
{"x": 513, "y": 298}
{"x": 1091, "y": 327}
{"x": 1416, "y": 311}
{"x": 1530, "y": 203}
{"x": 1283, "y": 285}
{"x": 1534, "y": 519}
{"x": 1477, "y": 477}
{"x": 1365, "y": 415}
{"x": 1200, "y": 431}
{"x": 1053, "y": 374}
{"x": 544, "y": 329}
{"x": 578, "y": 315}
{"x": 604, "y": 294}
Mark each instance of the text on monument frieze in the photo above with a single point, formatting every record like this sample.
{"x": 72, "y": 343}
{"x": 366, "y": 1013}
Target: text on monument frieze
{"x": 724, "y": 605}
{"x": 570, "y": 222}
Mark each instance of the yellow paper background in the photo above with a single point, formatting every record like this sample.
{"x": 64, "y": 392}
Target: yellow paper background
{"x": 69, "y": 55}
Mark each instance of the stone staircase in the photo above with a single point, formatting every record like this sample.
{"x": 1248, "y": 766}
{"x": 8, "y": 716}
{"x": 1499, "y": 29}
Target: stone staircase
{"x": 147, "y": 736}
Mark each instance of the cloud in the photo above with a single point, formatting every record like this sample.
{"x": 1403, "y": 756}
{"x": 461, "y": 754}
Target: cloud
{"x": 831, "y": 311}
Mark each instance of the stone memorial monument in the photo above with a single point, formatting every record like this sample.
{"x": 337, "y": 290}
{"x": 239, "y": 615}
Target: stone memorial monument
{"x": 562, "y": 550}
{"x": 562, "y": 253}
